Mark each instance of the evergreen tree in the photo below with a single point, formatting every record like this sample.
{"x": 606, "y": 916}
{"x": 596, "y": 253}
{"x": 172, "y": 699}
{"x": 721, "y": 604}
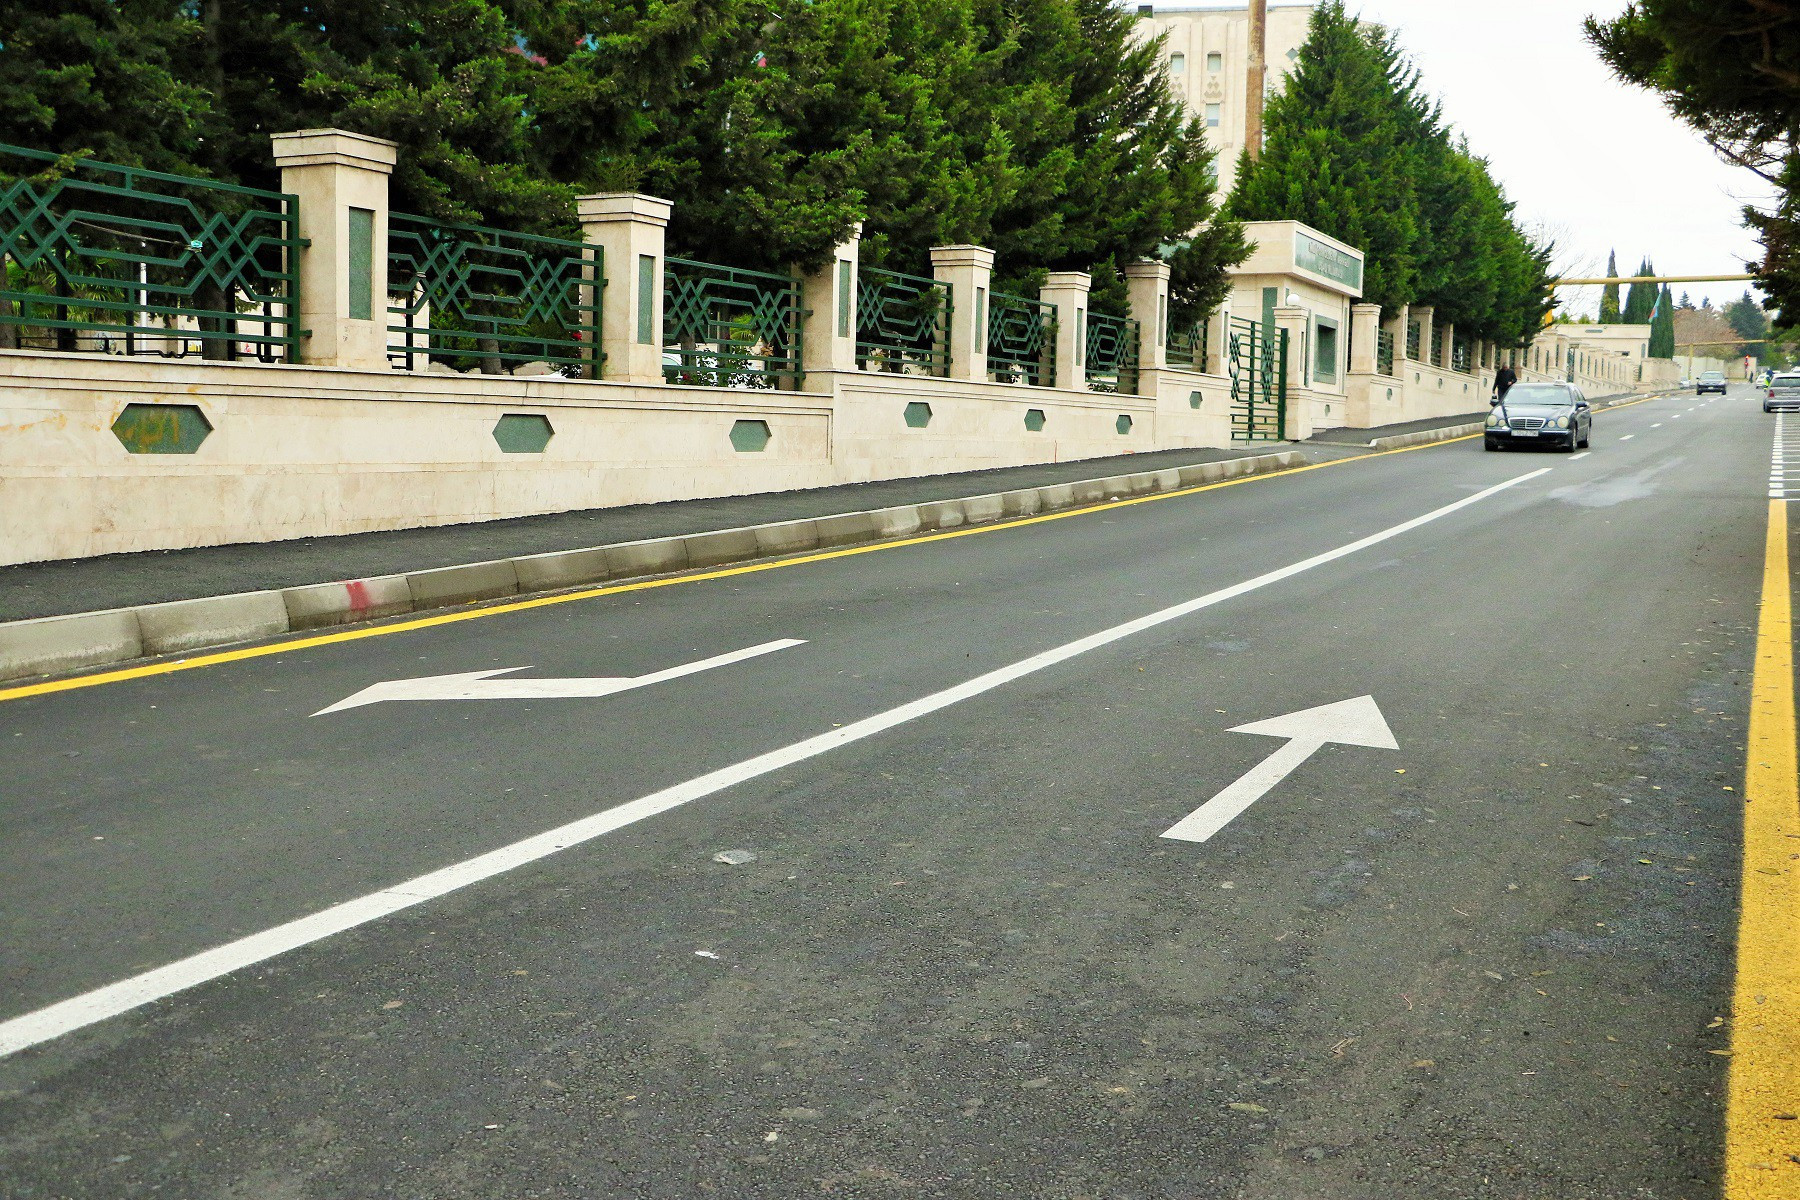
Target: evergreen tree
{"x": 1750, "y": 323}
{"x": 1662, "y": 326}
{"x": 1641, "y": 298}
{"x": 1336, "y": 157}
{"x": 1609, "y": 295}
{"x": 1355, "y": 148}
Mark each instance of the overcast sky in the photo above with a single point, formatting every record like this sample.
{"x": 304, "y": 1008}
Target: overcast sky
{"x": 1600, "y": 163}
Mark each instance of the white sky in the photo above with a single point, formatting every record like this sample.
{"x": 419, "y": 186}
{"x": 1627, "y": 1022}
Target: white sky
{"x": 1599, "y": 163}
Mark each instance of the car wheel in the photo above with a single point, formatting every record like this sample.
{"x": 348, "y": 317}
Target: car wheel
{"x": 1587, "y": 439}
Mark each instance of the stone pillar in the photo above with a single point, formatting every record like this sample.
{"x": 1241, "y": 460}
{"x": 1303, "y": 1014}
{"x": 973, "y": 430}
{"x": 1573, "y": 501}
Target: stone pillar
{"x": 1446, "y": 334}
{"x": 341, "y": 179}
{"x": 1068, "y": 292}
{"x": 1293, "y": 319}
{"x": 629, "y": 228}
{"x": 1218, "y": 340}
{"x": 1148, "y": 285}
{"x": 828, "y": 332}
{"x": 969, "y": 273}
{"x": 1365, "y": 323}
{"x": 1423, "y": 314}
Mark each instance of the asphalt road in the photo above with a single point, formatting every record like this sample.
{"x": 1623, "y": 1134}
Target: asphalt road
{"x": 963, "y": 962}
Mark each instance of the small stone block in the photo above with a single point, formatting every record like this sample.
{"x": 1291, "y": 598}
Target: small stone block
{"x": 211, "y": 621}
{"x": 46, "y": 644}
{"x": 462, "y": 584}
{"x": 653, "y": 556}
{"x": 561, "y": 568}
{"x": 787, "y": 537}
{"x": 346, "y": 601}
{"x": 846, "y": 529}
{"x": 721, "y": 546}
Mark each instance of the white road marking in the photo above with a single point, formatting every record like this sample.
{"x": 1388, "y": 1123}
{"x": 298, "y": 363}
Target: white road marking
{"x": 1628, "y": 437}
{"x": 1579, "y": 457}
{"x": 1349, "y": 723}
{"x": 1658, "y": 425}
{"x": 66, "y": 1016}
{"x": 481, "y": 685}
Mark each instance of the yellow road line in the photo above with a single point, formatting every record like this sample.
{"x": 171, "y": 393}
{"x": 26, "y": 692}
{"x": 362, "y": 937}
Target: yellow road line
{"x": 291, "y": 645}
{"x": 1762, "y": 1132}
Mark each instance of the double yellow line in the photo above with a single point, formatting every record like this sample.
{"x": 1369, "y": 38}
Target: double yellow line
{"x": 1762, "y": 1118}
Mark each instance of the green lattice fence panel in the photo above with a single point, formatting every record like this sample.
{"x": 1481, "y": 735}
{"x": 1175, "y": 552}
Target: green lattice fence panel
{"x": 100, "y": 257}
{"x": 470, "y": 297}
{"x": 1459, "y": 354}
{"x": 1112, "y": 354}
{"x": 1257, "y": 362}
{"x": 1021, "y": 337}
{"x": 902, "y": 323}
{"x": 1187, "y": 346}
{"x": 725, "y": 327}
{"x": 1384, "y": 351}
{"x": 1412, "y": 341}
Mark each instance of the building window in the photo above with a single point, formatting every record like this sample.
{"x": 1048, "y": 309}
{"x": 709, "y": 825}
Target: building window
{"x": 1178, "y": 64}
{"x": 1325, "y": 361}
{"x": 1215, "y": 62}
{"x": 1212, "y": 116}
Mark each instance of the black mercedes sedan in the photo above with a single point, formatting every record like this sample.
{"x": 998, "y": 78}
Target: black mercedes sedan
{"x": 1540, "y": 414}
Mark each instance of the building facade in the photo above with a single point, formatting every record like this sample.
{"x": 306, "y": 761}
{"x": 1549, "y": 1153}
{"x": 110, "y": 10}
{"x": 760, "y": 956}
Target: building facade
{"x": 1207, "y": 49}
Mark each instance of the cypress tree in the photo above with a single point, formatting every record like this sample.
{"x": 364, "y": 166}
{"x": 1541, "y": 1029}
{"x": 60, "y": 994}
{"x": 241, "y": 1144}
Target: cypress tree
{"x": 1641, "y": 298}
{"x": 1662, "y": 328}
{"x": 1609, "y": 295}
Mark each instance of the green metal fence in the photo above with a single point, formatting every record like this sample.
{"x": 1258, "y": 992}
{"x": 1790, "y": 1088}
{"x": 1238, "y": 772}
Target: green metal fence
{"x": 1384, "y": 351}
{"x": 466, "y": 296}
{"x": 1021, "y": 340}
{"x": 1187, "y": 346}
{"x": 100, "y": 257}
{"x": 1437, "y": 348}
{"x": 1412, "y": 341}
{"x": 1257, "y": 362}
{"x": 724, "y": 327}
{"x": 1459, "y": 354}
{"x": 902, "y": 323}
{"x": 1111, "y": 356}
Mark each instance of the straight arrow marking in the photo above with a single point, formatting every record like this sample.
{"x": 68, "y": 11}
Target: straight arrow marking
{"x": 1355, "y": 722}
{"x": 481, "y": 685}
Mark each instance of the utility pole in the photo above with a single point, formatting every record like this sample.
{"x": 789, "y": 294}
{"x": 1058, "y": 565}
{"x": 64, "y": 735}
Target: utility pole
{"x": 1254, "y": 77}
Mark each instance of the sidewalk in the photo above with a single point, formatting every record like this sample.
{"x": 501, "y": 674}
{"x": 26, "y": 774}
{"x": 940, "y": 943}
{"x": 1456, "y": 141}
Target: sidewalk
{"x": 151, "y": 577}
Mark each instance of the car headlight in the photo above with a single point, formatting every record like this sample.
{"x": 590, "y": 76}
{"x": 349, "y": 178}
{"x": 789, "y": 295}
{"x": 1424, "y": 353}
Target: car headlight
{"x": 1496, "y": 421}
{"x": 1560, "y": 423}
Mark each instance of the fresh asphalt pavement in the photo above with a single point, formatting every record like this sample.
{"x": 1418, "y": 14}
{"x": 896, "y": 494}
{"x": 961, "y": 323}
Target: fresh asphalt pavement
{"x": 963, "y": 962}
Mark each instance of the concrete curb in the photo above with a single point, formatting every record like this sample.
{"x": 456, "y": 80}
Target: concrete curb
{"x": 1427, "y": 436}
{"x": 46, "y": 645}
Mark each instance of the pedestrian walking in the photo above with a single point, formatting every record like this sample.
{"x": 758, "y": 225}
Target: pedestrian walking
{"x": 1504, "y": 378}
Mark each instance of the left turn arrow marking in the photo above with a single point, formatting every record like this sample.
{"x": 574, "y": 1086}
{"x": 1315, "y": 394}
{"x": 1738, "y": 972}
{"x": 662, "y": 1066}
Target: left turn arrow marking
{"x": 482, "y": 685}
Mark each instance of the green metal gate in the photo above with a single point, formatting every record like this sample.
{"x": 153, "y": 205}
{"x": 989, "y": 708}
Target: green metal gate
{"x": 1257, "y": 362}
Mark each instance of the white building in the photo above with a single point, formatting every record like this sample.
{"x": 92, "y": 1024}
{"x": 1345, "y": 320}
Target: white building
{"x": 1208, "y": 51}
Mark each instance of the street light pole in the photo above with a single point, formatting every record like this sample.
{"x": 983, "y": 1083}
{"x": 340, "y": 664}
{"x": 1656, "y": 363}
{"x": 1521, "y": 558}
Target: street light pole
{"x": 1254, "y": 77}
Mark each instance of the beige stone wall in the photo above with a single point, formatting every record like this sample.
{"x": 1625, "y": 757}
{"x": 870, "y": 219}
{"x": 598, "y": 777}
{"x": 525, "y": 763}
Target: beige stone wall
{"x": 315, "y": 451}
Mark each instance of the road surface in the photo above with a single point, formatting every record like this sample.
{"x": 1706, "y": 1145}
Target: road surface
{"x": 471, "y": 938}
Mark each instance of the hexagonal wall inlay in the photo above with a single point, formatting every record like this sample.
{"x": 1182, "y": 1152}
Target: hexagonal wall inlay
{"x": 1034, "y": 419}
{"x": 748, "y": 437}
{"x": 161, "y": 428}
{"x": 918, "y": 415}
{"x": 1123, "y": 424}
{"x": 523, "y": 433}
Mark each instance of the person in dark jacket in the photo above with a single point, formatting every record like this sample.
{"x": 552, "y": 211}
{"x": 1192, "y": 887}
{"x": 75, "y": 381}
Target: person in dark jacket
{"x": 1504, "y": 379}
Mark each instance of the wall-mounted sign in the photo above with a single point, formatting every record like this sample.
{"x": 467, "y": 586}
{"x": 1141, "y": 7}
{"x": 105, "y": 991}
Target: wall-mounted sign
{"x": 1310, "y": 254}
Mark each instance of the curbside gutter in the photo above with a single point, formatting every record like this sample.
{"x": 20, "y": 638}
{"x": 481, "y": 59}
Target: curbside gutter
{"x": 50, "y": 645}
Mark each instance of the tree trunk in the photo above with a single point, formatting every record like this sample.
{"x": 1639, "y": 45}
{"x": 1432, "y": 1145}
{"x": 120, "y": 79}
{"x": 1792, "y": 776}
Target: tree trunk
{"x": 65, "y": 338}
{"x": 220, "y": 345}
{"x": 9, "y": 333}
{"x": 490, "y": 356}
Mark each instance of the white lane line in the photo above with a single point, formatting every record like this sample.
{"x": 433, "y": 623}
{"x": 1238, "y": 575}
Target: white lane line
{"x": 1579, "y": 457}
{"x": 1628, "y": 437}
{"x": 1658, "y": 425}
{"x": 66, "y": 1016}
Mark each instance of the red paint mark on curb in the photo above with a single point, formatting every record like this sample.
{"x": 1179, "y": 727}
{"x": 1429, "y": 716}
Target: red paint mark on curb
{"x": 359, "y": 594}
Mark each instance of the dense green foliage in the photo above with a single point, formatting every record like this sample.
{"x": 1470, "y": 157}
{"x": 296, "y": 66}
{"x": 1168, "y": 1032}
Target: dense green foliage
{"x": 1729, "y": 69}
{"x": 1640, "y": 299}
{"x": 1610, "y": 313}
{"x": 1750, "y": 322}
{"x": 1662, "y": 326}
{"x": 1355, "y": 148}
{"x": 1042, "y": 128}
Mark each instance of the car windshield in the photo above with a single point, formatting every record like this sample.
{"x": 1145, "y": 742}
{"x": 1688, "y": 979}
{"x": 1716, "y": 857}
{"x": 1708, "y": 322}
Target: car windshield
{"x": 1713, "y": 377}
{"x": 1529, "y": 394}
